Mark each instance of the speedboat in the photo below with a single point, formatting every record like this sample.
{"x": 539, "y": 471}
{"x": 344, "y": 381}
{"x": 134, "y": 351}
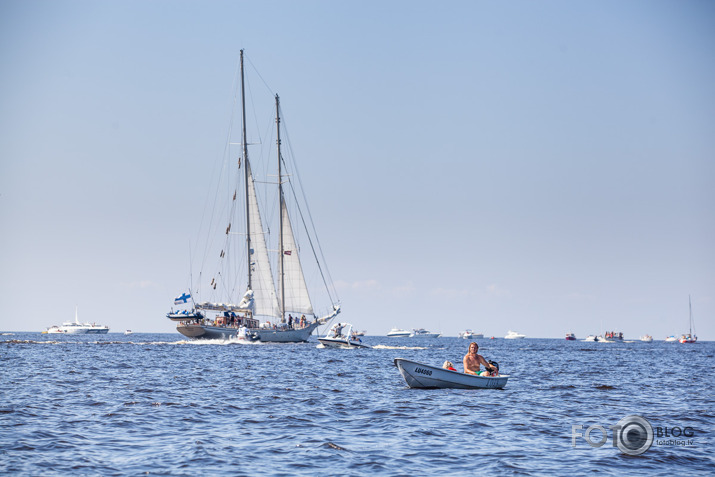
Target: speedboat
{"x": 570, "y": 337}
{"x": 594, "y": 338}
{"x": 647, "y": 338}
{"x": 76, "y": 327}
{"x": 513, "y": 335}
{"x": 420, "y": 375}
{"x": 671, "y": 339}
{"x": 185, "y": 315}
{"x": 128, "y": 332}
{"x": 341, "y": 335}
{"x": 423, "y": 333}
{"x": 398, "y": 333}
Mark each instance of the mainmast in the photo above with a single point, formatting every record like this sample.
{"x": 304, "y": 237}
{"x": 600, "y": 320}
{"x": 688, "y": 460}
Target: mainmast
{"x": 281, "y": 205}
{"x": 246, "y": 174}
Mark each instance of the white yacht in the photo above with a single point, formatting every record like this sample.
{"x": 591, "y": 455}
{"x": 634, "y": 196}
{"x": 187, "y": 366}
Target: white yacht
{"x": 469, "y": 334}
{"x": 513, "y": 335}
{"x": 398, "y": 333}
{"x": 423, "y": 333}
{"x": 76, "y": 327}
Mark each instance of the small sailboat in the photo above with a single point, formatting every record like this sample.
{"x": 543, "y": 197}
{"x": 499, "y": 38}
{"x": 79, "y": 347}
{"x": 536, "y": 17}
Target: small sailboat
{"x": 341, "y": 335}
{"x": 274, "y": 307}
{"x": 420, "y": 375}
{"x": 690, "y": 337}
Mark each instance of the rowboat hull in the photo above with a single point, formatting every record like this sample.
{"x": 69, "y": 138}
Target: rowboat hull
{"x": 420, "y": 375}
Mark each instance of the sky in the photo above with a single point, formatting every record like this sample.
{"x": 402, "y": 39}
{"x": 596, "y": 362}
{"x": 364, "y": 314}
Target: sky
{"x": 543, "y": 167}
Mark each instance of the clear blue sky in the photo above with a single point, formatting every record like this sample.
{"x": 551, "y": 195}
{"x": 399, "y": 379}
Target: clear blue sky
{"x": 537, "y": 166}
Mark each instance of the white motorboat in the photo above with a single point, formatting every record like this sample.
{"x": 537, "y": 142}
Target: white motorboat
{"x": 77, "y": 328}
{"x": 276, "y": 305}
{"x": 671, "y": 339}
{"x": 398, "y": 333}
{"x": 341, "y": 335}
{"x": 647, "y": 338}
{"x": 423, "y": 333}
{"x": 128, "y": 332}
{"x": 470, "y": 335}
{"x": 420, "y": 375}
{"x": 513, "y": 335}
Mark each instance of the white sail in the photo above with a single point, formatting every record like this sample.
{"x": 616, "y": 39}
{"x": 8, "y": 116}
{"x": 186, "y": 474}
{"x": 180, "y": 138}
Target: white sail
{"x": 266, "y": 302}
{"x": 296, "y": 291}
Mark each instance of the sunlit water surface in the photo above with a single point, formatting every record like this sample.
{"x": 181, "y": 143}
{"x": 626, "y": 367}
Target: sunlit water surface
{"x": 156, "y": 404}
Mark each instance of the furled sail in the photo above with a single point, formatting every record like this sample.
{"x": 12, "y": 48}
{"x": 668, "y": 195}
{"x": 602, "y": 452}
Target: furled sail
{"x": 296, "y": 291}
{"x": 266, "y": 302}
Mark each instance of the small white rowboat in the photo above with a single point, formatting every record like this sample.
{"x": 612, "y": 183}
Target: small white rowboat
{"x": 419, "y": 375}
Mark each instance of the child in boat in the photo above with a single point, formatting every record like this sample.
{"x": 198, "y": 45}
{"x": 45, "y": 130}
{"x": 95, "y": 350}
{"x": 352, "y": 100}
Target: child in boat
{"x": 448, "y": 365}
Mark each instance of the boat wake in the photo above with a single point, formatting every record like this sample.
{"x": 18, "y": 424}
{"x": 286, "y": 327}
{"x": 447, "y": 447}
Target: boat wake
{"x": 398, "y": 347}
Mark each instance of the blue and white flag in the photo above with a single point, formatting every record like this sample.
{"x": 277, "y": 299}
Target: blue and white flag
{"x": 181, "y": 300}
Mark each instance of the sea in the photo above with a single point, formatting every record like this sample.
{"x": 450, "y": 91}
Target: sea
{"x": 157, "y": 404}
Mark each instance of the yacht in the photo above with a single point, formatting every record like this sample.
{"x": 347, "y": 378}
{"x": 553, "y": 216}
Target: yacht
{"x": 76, "y": 327}
{"x": 398, "y": 333}
{"x": 513, "y": 335}
{"x": 570, "y": 337}
{"x": 647, "y": 338}
{"x": 423, "y": 333}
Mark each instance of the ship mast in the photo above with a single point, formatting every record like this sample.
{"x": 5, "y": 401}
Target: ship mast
{"x": 281, "y": 205}
{"x": 246, "y": 174}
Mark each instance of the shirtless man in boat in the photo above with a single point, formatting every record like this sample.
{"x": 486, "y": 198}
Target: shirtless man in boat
{"x": 472, "y": 360}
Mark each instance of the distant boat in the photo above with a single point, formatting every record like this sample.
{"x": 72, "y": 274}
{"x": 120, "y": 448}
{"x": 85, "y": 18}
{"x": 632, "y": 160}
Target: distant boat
{"x": 128, "y": 332}
{"x": 77, "y": 328}
{"x": 690, "y": 337}
{"x": 423, "y": 333}
{"x": 276, "y": 307}
{"x": 594, "y": 338}
{"x": 613, "y": 336}
{"x": 398, "y": 333}
{"x": 570, "y": 337}
{"x": 361, "y": 333}
{"x": 341, "y": 335}
{"x": 469, "y": 335}
{"x": 420, "y": 375}
{"x": 513, "y": 335}
{"x": 647, "y": 338}
{"x": 671, "y": 339}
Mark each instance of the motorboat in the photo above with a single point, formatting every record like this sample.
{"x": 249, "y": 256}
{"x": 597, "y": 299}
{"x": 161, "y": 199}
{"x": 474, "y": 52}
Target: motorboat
{"x": 185, "y": 315}
{"x": 470, "y": 335}
{"x": 361, "y": 333}
{"x": 671, "y": 339}
{"x": 570, "y": 337}
{"x": 423, "y": 333}
{"x": 594, "y": 338}
{"x": 420, "y": 375}
{"x": 341, "y": 335}
{"x": 398, "y": 333}
{"x": 128, "y": 332}
{"x": 613, "y": 336}
{"x": 513, "y": 335}
{"x": 647, "y": 338}
{"x": 76, "y": 328}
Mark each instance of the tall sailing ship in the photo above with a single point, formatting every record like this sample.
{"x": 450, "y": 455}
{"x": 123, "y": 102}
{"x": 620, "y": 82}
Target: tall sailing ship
{"x": 273, "y": 308}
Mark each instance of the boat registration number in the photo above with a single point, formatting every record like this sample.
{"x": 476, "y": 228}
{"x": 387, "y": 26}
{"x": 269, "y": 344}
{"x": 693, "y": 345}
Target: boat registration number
{"x": 426, "y": 372}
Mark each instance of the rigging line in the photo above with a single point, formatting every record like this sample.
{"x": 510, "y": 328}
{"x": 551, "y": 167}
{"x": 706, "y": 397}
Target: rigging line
{"x": 259, "y": 75}
{"x": 310, "y": 216}
{"x": 224, "y": 155}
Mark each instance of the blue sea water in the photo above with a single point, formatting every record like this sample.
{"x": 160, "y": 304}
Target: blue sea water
{"x": 158, "y": 405}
